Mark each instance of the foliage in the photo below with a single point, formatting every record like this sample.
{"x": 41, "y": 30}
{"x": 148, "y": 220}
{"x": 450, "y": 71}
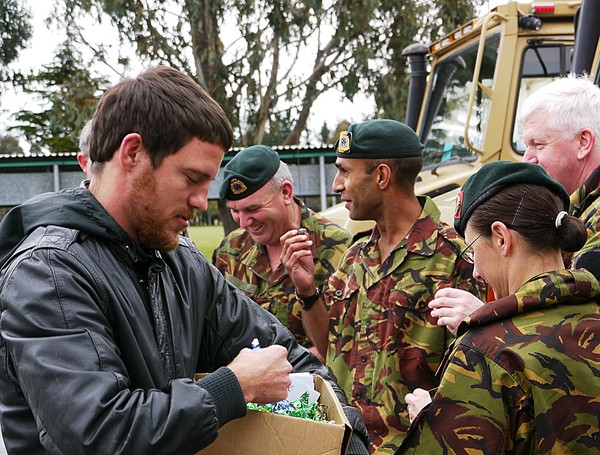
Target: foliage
{"x": 409, "y": 22}
{"x": 267, "y": 61}
{"x": 15, "y": 32}
{"x": 70, "y": 93}
{"x": 9, "y": 145}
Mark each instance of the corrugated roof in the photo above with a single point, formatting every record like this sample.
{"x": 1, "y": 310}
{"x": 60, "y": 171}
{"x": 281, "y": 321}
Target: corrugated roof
{"x": 59, "y": 156}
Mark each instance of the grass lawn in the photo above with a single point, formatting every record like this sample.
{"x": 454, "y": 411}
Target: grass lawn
{"x": 206, "y": 238}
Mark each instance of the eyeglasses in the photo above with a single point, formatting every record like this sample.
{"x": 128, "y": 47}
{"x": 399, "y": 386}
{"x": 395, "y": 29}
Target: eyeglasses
{"x": 467, "y": 252}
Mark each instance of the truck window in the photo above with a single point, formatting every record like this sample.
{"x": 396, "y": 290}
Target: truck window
{"x": 540, "y": 65}
{"x": 443, "y": 126}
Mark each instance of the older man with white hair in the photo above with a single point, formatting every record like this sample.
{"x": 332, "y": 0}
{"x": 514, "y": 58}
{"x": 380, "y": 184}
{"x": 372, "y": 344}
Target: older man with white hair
{"x": 561, "y": 127}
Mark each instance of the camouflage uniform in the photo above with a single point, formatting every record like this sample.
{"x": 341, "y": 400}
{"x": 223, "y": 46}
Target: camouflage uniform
{"x": 246, "y": 264}
{"x": 383, "y": 341}
{"x": 524, "y": 378}
{"x": 585, "y": 203}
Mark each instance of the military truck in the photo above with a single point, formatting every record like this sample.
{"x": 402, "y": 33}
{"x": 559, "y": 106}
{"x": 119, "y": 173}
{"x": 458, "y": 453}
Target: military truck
{"x": 466, "y": 89}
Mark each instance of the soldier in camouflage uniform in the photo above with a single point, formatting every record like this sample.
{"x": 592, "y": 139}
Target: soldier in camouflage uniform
{"x": 561, "y": 132}
{"x": 561, "y": 127}
{"x": 523, "y": 375}
{"x": 383, "y": 342}
{"x": 258, "y": 189}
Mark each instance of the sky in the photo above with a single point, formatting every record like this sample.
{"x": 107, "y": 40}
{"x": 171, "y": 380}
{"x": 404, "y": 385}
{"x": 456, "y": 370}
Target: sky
{"x": 331, "y": 107}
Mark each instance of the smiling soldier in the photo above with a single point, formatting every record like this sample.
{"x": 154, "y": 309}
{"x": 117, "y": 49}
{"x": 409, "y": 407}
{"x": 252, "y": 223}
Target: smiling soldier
{"x": 258, "y": 188}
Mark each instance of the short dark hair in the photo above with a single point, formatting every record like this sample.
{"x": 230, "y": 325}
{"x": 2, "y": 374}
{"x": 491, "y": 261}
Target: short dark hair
{"x": 405, "y": 170}
{"x": 165, "y": 107}
{"x": 531, "y": 210}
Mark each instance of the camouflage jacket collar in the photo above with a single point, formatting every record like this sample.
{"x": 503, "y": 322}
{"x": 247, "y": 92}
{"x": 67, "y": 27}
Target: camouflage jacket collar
{"x": 586, "y": 194}
{"x": 422, "y": 238}
{"x": 559, "y": 287}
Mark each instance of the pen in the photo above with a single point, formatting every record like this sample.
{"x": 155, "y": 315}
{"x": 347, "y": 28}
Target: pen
{"x": 255, "y": 345}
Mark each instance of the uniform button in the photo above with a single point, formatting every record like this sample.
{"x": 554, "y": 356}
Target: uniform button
{"x": 363, "y": 358}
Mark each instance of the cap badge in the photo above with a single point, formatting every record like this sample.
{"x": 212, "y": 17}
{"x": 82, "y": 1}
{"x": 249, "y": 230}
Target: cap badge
{"x": 344, "y": 143}
{"x": 458, "y": 204}
{"x": 237, "y": 186}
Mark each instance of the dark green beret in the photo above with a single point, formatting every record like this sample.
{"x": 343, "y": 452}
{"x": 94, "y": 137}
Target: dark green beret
{"x": 494, "y": 176}
{"x": 248, "y": 171}
{"x": 380, "y": 138}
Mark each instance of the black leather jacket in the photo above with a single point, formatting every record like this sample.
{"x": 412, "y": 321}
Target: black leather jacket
{"x": 100, "y": 339}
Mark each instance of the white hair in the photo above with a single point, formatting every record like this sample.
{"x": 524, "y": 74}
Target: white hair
{"x": 84, "y": 139}
{"x": 570, "y": 104}
{"x": 282, "y": 174}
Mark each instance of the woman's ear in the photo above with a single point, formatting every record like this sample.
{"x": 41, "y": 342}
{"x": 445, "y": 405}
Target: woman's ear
{"x": 502, "y": 238}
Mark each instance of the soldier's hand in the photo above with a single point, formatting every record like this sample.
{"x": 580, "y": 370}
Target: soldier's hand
{"x": 297, "y": 258}
{"x": 451, "y": 306}
{"x": 263, "y": 374}
{"x": 416, "y": 401}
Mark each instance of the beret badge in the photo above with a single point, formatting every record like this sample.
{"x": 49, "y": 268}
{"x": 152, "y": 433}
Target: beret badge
{"x": 237, "y": 186}
{"x": 344, "y": 142}
{"x": 458, "y": 204}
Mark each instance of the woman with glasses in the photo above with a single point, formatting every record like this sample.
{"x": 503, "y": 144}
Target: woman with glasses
{"x": 524, "y": 373}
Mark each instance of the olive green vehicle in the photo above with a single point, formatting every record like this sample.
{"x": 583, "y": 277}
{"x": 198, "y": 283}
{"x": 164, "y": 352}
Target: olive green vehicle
{"x": 466, "y": 89}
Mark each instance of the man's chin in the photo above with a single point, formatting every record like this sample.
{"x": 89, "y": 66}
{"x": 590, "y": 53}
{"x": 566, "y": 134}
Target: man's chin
{"x": 163, "y": 243}
{"x": 165, "y": 248}
{"x": 360, "y": 218}
{"x": 171, "y": 243}
{"x": 255, "y": 235}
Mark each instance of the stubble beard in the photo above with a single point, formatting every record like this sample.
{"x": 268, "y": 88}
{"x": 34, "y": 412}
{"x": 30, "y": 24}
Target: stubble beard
{"x": 152, "y": 227}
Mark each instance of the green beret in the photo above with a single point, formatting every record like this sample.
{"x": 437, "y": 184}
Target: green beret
{"x": 380, "y": 138}
{"x": 494, "y": 176}
{"x": 248, "y": 171}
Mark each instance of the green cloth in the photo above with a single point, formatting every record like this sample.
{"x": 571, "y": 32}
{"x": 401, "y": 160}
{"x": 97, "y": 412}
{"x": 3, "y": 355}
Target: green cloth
{"x": 376, "y": 139}
{"x": 248, "y": 171}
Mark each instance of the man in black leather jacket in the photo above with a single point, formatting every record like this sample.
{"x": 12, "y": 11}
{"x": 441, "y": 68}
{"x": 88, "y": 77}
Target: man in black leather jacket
{"x": 108, "y": 313}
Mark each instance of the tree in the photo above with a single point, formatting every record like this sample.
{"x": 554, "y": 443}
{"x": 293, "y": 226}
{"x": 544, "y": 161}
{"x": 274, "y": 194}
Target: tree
{"x": 70, "y": 94}
{"x": 267, "y": 61}
{"x": 408, "y": 22}
{"x": 15, "y": 32}
{"x": 9, "y": 145}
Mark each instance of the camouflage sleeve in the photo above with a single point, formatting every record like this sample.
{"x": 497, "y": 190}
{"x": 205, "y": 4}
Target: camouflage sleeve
{"x": 219, "y": 256}
{"x": 479, "y": 407}
{"x": 589, "y": 256}
{"x": 334, "y": 242}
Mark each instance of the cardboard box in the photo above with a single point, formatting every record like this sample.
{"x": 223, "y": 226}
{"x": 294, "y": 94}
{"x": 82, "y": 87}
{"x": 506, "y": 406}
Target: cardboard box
{"x": 260, "y": 433}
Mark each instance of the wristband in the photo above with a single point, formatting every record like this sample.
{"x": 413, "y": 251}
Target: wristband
{"x": 308, "y": 301}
